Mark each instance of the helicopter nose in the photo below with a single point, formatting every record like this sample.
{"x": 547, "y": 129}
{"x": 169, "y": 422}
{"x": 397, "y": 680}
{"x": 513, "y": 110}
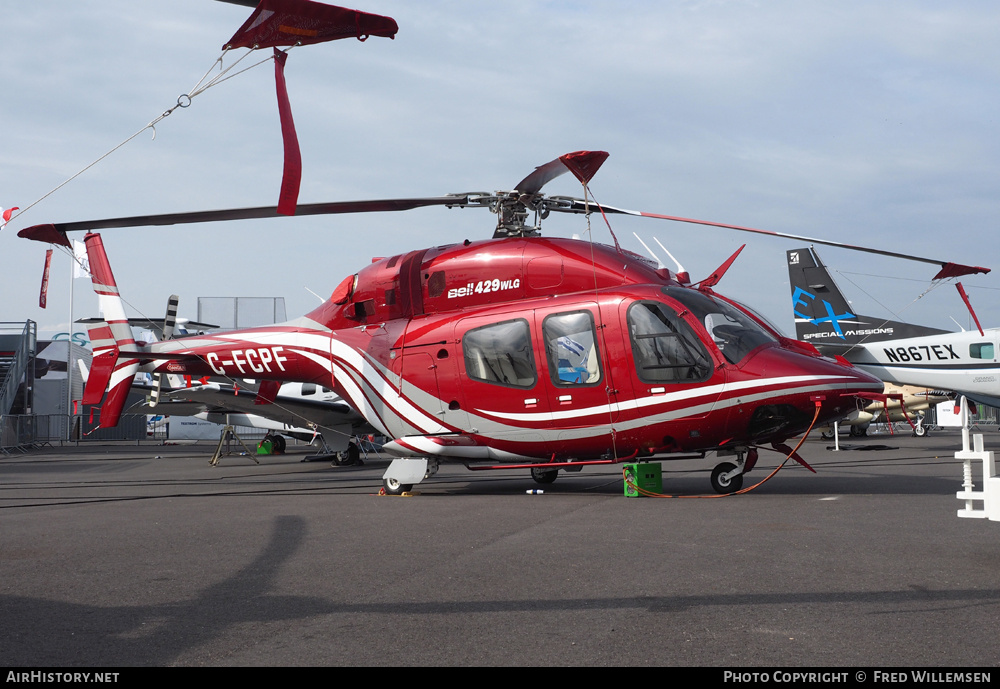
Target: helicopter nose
{"x": 805, "y": 385}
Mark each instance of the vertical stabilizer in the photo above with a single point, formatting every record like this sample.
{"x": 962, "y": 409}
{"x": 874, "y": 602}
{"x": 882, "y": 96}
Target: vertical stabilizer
{"x": 824, "y": 317}
{"x": 116, "y": 373}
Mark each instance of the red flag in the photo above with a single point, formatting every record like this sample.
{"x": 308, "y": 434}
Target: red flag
{"x": 43, "y": 296}
{"x": 6, "y": 214}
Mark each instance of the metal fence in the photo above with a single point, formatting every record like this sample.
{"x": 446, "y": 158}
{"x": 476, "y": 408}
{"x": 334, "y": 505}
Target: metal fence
{"x": 130, "y": 427}
{"x": 22, "y": 431}
{"x": 230, "y": 313}
{"x": 19, "y": 432}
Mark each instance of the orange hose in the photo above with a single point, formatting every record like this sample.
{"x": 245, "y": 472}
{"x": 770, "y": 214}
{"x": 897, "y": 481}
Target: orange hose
{"x": 650, "y": 494}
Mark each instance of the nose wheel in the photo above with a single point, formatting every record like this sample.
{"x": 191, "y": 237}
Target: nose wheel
{"x": 727, "y": 478}
{"x": 393, "y": 486}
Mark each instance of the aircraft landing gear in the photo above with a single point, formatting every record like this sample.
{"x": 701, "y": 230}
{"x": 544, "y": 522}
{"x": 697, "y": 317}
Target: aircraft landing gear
{"x": 278, "y": 444}
{"x": 392, "y": 486}
{"x": 727, "y": 478}
{"x": 403, "y": 474}
{"x": 919, "y": 429}
{"x": 349, "y": 457}
{"x": 544, "y": 476}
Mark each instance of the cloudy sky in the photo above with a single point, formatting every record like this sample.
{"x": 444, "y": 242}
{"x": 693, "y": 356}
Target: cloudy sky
{"x": 869, "y": 123}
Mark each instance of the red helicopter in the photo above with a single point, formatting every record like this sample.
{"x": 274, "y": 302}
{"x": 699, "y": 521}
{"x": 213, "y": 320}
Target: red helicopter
{"x": 519, "y": 350}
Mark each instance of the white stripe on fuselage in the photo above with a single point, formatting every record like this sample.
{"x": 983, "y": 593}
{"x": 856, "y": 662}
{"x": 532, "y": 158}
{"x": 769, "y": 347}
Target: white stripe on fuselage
{"x": 656, "y": 400}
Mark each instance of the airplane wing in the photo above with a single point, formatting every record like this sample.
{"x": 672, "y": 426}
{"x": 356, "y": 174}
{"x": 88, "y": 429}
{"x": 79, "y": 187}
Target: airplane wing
{"x": 225, "y": 399}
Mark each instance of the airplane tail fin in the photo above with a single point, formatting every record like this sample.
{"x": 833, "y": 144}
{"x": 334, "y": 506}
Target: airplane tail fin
{"x": 110, "y": 371}
{"x": 823, "y": 316}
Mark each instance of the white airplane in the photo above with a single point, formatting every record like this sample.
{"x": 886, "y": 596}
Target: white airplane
{"x": 300, "y": 410}
{"x": 902, "y": 353}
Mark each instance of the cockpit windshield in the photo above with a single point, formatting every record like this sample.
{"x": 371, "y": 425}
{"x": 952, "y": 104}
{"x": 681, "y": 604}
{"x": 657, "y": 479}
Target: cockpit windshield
{"x": 735, "y": 333}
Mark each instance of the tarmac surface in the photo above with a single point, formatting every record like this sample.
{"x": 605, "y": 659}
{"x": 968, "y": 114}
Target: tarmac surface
{"x": 125, "y": 555}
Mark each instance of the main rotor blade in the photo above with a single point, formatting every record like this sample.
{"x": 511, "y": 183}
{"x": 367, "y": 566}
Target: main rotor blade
{"x": 583, "y": 164}
{"x": 948, "y": 269}
{"x": 49, "y": 232}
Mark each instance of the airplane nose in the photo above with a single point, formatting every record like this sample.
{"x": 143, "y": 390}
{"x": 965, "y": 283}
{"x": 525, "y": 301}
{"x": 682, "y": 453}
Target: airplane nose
{"x": 802, "y": 382}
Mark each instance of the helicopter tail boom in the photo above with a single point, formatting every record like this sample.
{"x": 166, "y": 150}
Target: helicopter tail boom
{"x": 111, "y": 372}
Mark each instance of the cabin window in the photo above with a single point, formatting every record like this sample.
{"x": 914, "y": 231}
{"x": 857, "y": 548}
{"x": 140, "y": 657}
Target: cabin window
{"x": 571, "y": 349}
{"x": 664, "y": 347}
{"x": 981, "y": 350}
{"x": 500, "y": 354}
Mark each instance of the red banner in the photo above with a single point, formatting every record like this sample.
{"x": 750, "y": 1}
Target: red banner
{"x": 42, "y": 297}
{"x": 291, "y": 177}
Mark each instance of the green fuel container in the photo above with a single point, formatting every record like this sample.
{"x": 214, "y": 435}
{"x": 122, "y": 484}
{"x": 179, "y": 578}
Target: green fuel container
{"x": 648, "y": 476}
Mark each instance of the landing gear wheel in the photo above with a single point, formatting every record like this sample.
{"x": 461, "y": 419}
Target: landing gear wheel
{"x": 544, "y": 476}
{"x": 278, "y": 444}
{"x": 349, "y": 457}
{"x": 859, "y": 431}
{"x": 392, "y": 486}
{"x": 723, "y": 485}
{"x": 827, "y": 435}
{"x": 921, "y": 431}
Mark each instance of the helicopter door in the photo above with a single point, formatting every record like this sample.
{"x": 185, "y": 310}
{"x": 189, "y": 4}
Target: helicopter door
{"x": 669, "y": 361}
{"x": 499, "y": 376}
{"x": 577, "y": 379}
{"x": 426, "y": 370}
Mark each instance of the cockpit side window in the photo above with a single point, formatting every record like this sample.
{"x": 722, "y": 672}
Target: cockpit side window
{"x": 663, "y": 347}
{"x": 734, "y": 332}
{"x": 981, "y": 350}
{"x": 501, "y": 354}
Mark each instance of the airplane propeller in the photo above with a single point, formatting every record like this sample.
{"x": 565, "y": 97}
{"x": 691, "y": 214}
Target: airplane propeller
{"x": 511, "y": 207}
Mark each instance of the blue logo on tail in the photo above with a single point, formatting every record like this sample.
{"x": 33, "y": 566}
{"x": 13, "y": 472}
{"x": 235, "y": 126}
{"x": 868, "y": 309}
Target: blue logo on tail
{"x": 798, "y": 299}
